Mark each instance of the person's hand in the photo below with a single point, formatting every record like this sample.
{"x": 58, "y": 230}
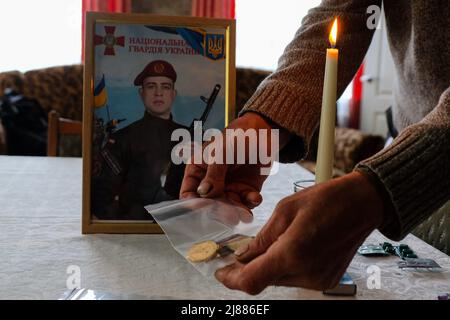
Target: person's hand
{"x": 238, "y": 183}
{"x": 310, "y": 239}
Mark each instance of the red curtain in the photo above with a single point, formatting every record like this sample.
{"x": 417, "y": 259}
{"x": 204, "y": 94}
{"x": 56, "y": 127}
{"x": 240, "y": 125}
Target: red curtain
{"x": 214, "y": 8}
{"x": 355, "y": 103}
{"x": 101, "y": 6}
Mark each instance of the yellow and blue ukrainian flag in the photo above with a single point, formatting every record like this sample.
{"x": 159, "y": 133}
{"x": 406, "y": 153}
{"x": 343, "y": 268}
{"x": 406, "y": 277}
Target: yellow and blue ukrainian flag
{"x": 100, "y": 96}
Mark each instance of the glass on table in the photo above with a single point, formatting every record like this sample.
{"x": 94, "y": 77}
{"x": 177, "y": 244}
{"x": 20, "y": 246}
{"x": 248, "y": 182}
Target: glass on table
{"x": 303, "y": 184}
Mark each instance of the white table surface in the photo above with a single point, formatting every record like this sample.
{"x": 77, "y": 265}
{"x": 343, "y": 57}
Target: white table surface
{"x": 40, "y": 237}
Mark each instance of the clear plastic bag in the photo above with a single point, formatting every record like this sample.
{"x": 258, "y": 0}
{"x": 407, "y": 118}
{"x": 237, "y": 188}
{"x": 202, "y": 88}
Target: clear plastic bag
{"x": 89, "y": 294}
{"x": 192, "y": 221}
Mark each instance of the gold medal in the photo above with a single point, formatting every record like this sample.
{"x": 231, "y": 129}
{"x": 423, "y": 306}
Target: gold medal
{"x": 236, "y": 244}
{"x": 203, "y": 251}
{"x": 207, "y": 250}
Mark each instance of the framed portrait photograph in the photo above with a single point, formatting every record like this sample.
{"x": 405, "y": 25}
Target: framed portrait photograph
{"x": 146, "y": 77}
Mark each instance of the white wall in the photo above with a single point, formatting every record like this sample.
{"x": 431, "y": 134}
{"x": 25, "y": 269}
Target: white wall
{"x": 265, "y": 27}
{"x": 39, "y": 33}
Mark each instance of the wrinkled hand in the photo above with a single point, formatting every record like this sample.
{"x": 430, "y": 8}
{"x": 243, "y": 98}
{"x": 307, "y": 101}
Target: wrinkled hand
{"x": 310, "y": 239}
{"x": 240, "y": 184}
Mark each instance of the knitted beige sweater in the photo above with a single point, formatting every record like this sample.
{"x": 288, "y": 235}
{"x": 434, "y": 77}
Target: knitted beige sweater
{"x": 414, "y": 171}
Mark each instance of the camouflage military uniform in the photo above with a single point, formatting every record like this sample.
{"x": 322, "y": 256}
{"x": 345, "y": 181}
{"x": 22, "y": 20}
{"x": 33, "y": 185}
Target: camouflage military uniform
{"x": 138, "y": 155}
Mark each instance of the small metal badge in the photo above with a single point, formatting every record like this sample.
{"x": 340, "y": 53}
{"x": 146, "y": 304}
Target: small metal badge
{"x": 208, "y": 250}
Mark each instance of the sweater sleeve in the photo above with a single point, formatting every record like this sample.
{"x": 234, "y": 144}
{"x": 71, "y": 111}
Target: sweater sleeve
{"x": 415, "y": 170}
{"x": 291, "y": 96}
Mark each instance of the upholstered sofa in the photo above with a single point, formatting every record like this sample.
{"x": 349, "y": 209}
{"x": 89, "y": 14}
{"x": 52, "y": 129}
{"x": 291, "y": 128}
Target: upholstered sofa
{"x": 60, "y": 89}
{"x": 55, "y": 88}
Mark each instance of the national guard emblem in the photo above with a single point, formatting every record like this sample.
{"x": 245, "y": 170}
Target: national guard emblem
{"x": 214, "y": 46}
{"x": 109, "y": 40}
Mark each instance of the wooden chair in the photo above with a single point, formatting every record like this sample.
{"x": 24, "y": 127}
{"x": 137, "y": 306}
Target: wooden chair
{"x": 58, "y": 126}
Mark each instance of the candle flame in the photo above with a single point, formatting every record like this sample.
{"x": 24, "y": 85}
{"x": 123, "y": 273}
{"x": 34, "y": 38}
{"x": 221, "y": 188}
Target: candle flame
{"x": 333, "y": 33}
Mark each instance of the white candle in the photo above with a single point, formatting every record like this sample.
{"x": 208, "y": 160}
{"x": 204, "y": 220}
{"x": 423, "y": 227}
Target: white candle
{"x": 325, "y": 152}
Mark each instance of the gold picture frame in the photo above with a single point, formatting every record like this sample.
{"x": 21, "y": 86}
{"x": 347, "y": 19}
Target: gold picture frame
{"x": 195, "y": 53}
